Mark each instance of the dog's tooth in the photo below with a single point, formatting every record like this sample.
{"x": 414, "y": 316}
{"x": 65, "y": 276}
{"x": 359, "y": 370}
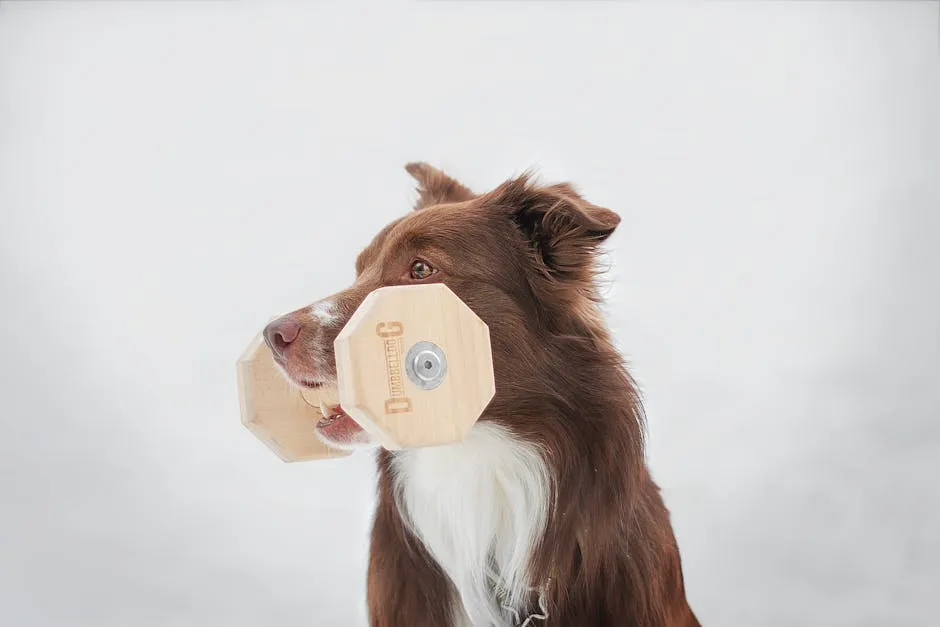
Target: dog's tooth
{"x": 324, "y": 409}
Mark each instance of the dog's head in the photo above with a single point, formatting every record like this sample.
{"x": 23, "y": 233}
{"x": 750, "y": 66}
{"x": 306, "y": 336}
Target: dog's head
{"x": 521, "y": 256}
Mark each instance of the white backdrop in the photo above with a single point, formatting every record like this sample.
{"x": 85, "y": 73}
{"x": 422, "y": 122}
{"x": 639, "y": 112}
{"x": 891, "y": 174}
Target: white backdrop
{"x": 173, "y": 174}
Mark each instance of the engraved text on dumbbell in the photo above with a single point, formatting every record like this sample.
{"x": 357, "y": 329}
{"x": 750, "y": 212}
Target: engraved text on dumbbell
{"x": 391, "y": 333}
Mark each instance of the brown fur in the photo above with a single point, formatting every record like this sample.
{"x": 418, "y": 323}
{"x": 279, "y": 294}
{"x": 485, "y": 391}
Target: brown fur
{"x": 523, "y": 257}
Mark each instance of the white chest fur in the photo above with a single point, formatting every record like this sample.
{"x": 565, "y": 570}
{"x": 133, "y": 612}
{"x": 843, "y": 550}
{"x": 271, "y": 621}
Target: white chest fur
{"x": 479, "y": 507}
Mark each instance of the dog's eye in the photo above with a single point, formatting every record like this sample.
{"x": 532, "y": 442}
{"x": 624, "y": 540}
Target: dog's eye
{"x": 421, "y": 270}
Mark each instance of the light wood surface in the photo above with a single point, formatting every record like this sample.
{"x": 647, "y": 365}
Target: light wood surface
{"x": 374, "y": 388}
{"x": 275, "y": 411}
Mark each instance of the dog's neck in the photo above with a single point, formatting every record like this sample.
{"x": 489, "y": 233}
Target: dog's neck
{"x": 480, "y": 507}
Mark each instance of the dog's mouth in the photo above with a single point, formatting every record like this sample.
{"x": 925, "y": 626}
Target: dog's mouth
{"x": 335, "y": 425}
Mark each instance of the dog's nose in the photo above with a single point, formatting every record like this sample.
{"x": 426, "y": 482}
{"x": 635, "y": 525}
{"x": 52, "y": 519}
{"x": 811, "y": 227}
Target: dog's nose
{"x": 280, "y": 333}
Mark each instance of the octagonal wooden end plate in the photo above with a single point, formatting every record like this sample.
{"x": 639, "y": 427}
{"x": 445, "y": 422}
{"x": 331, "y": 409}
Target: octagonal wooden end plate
{"x": 275, "y": 411}
{"x": 372, "y": 353}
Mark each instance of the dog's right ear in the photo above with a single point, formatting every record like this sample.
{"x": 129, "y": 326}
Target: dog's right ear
{"x": 435, "y": 187}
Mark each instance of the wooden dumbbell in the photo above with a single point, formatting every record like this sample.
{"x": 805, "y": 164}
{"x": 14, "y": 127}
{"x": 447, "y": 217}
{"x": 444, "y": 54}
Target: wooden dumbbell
{"x": 414, "y": 368}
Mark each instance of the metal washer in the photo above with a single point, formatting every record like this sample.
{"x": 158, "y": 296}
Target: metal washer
{"x": 426, "y": 365}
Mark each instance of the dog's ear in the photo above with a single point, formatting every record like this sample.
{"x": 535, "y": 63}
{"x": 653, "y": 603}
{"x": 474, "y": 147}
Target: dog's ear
{"x": 564, "y": 228}
{"x": 435, "y": 187}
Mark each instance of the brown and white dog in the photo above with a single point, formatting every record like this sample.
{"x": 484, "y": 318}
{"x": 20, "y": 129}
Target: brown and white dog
{"x": 546, "y": 515}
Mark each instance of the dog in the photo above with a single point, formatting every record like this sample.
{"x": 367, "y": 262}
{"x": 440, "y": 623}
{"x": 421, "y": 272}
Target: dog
{"x": 546, "y": 514}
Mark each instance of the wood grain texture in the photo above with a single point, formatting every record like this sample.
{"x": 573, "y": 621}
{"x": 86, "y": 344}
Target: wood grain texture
{"x": 374, "y": 388}
{"x": 275, "y": 411}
